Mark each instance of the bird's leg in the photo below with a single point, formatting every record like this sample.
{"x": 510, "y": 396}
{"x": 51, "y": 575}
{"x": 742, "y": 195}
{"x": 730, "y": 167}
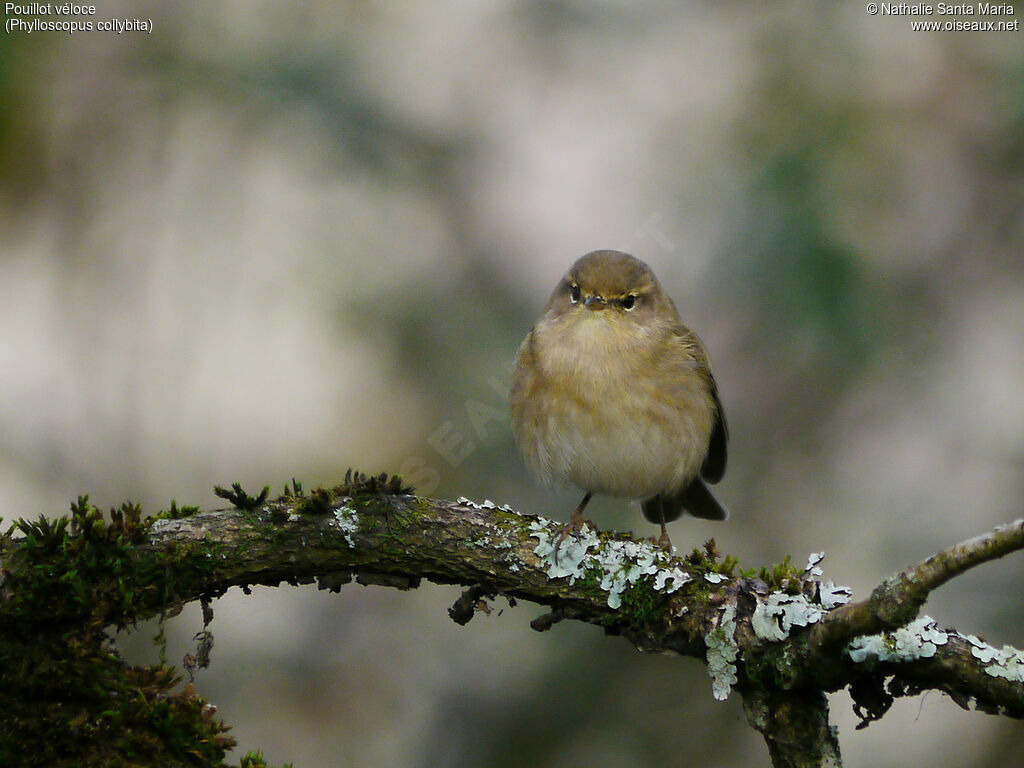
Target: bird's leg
{"x": 663, "y": 541}
{"x": 575, "y": 524}
{"x": 576, "y": 520}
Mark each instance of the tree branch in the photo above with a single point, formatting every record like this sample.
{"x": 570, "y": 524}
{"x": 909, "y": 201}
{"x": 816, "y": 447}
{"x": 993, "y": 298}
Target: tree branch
{"x": 898, "y": 599}
{"x": 781, "y": 640}
{"x": 796, "y": 728}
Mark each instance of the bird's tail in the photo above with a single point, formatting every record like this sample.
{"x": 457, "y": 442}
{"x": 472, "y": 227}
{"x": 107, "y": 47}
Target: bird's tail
{"x": 696, "y": 499}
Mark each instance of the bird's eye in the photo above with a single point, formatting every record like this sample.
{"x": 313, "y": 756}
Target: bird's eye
{"x": 629, "y": 302}
{"x": 574, "y": 293}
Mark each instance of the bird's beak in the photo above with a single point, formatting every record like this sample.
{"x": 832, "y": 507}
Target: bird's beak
{"x": 595, "y": 299}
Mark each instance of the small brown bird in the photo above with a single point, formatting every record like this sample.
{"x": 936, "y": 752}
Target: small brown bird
{"x": 613, "y": 394}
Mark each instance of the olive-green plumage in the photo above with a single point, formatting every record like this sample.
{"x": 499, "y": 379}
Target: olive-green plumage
{"x": 613, "y": 394}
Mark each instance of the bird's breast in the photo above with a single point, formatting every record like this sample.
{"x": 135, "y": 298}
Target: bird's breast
{"x": 609, "y": 411}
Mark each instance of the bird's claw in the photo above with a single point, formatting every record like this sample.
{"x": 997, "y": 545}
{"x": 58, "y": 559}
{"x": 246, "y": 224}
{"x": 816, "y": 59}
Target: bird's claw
{"x": 663, "y": 543}
{"x": 575, "y": 526}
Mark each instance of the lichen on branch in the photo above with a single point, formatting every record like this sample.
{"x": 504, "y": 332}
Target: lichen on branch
{"x": 779, "y": 636}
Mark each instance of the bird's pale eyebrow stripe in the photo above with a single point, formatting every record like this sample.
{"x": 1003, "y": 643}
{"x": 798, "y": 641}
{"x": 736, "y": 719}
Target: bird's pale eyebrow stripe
{"x": 644, "y": 287}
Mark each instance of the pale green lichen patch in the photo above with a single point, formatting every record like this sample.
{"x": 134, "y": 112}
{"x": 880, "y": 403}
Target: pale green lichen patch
{"x": 346, "y": 520}
{"x": 623, "y": 563}
{"x": 487, "y": 504}
{"x": 616, "y": 564}
{"x": 918, "y": 640}
{"x": 565, "y": 558}
{"x": 670, "y": 579}
{"x": 496, "y": 539}
{"x": 778, "y": 612}
{"x": 811, "y": 569}
{"x": 722, "y": 653}
{"x": 826, "y": 593}
{"x": 831, "y": 596}
{"x": 1007, "y": 662}
{"x": 775, "y": 618}
{"x": 502, "y": 543}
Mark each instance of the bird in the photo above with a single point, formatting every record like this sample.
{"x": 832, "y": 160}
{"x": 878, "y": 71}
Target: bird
{"x": 611, "y": 393}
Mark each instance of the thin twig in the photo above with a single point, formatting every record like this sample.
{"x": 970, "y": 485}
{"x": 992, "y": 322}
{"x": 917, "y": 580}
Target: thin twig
{"x": 898, "y": 599}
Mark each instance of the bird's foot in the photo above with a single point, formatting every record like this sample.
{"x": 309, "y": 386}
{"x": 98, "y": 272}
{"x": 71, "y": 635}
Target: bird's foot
{"x": 664, "y": 543}
{"x": 574, "y": 526}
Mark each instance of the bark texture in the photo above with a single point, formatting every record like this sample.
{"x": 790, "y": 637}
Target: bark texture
{"x": 781, "y": 640}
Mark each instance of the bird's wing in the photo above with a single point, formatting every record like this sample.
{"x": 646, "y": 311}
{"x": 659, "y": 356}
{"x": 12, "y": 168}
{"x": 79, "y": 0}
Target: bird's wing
{"x": 713, "y": 467}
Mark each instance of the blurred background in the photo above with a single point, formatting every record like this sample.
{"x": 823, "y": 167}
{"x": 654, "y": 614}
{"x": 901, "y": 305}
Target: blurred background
{"x": 274, "y": 241}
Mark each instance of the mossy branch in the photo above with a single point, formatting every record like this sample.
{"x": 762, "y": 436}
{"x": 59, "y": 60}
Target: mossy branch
{"x": 779, "y": 637}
